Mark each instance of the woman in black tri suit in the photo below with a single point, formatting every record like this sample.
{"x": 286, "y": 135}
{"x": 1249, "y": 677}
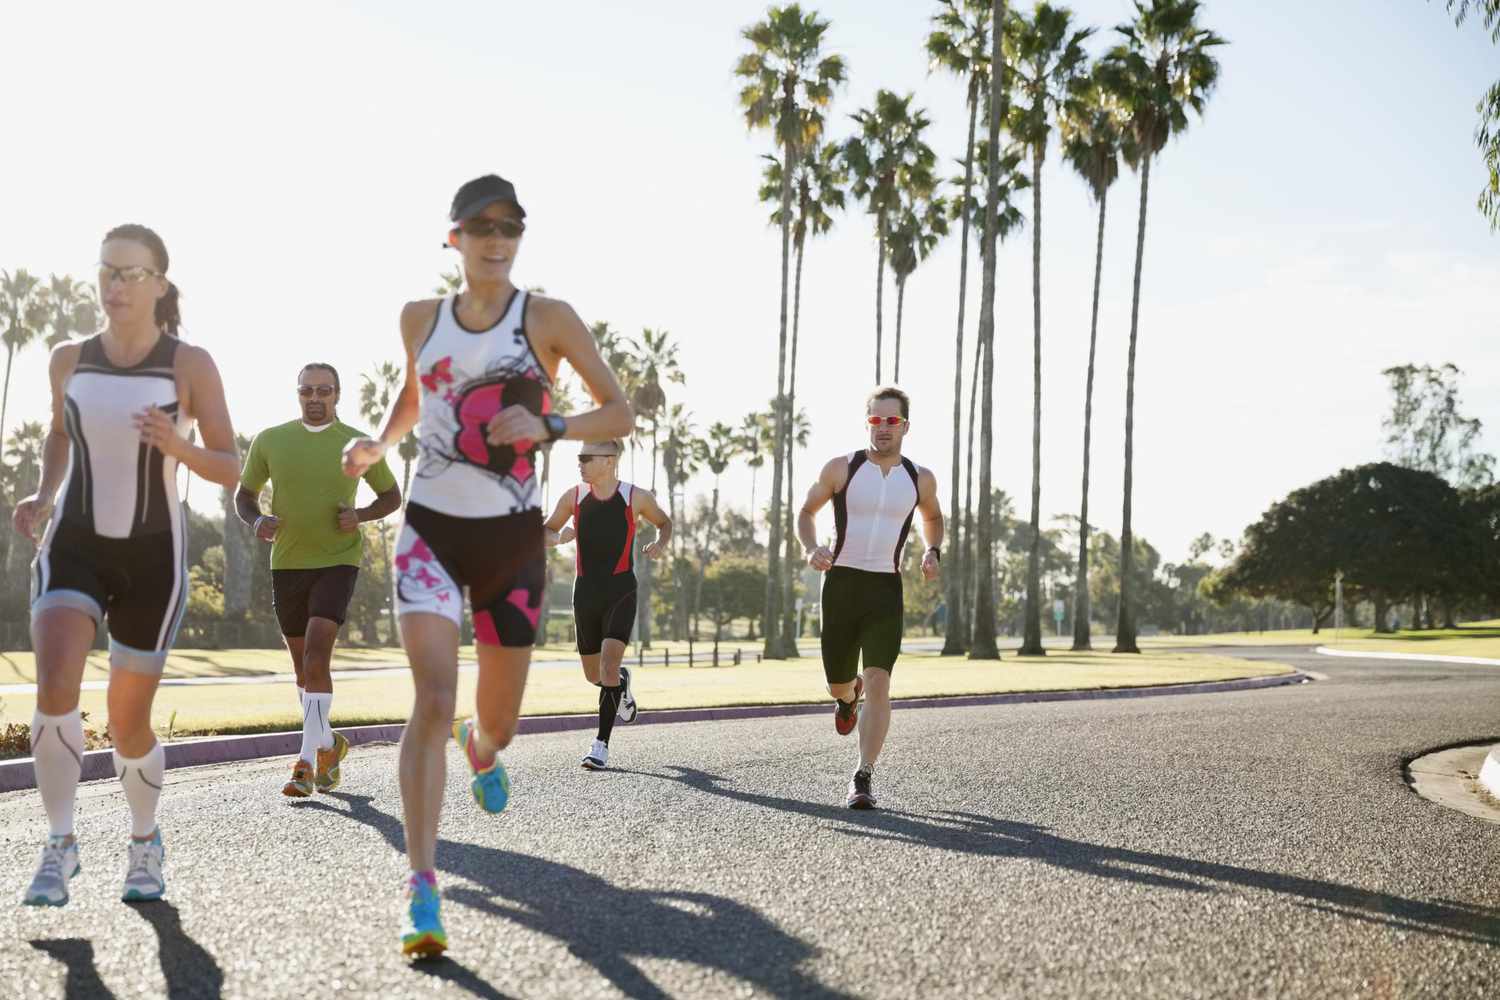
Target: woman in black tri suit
{"x": 479, "y": 371}
{"x": 114, "y": 547}
{"x": 604, "y": 511}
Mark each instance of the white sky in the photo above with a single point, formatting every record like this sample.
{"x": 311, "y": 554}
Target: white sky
{"x": 299, "y": 159}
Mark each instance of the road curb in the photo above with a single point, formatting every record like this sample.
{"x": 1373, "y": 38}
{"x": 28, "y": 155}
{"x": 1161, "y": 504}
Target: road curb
{"x": 18, "y": 774}
{"x": 1424, "y": 657}
{"x": 1458, "y": 777}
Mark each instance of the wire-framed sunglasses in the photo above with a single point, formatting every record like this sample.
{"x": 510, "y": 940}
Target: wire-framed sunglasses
{"x": 585, "y": 459}
{"x": 481, "y": 228}
{"x": 321, "y": 391}
{"x": 875, "y": 421}
{"x": 131, "y": 275}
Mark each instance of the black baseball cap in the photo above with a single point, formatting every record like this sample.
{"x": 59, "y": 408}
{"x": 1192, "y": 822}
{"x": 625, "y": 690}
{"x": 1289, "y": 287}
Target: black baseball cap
{"x": 481, "y": 192}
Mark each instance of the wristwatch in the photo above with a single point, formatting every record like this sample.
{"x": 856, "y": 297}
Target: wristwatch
{"x": 556, "y": 426}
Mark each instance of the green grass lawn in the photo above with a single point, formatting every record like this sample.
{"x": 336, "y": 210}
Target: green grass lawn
{"x": 1470, "y": 639}
{"x": 239, "y": 708}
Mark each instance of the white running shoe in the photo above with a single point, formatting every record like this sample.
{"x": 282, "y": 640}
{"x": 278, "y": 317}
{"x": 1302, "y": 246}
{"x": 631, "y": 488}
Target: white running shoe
{"x": 143, "y": 875}
{"x": 597, "y": 759}
{"x": 627, "y": 710}
{"x": 49, "y": 886}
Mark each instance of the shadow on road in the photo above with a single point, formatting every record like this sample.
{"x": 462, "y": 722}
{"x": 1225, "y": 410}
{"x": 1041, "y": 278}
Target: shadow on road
{"x": 606, "y": 926}
{"x": 190, "y": 971}
{"x": 972, "y": 833}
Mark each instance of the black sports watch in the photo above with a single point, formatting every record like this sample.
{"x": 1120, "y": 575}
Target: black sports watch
{"x": 937, "y": 551}
{"x": 556, "y": 426}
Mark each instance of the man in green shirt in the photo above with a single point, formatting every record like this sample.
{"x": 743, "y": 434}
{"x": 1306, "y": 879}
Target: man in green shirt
{"x": 314, "y": 533}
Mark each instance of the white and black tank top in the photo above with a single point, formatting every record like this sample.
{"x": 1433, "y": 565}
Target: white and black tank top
{"x": 467, "y": 377}
{"x": 872, "y": 515}
{"x": 117, "y": 486}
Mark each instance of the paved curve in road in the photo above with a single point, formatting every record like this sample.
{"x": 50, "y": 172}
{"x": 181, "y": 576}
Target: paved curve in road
{"x": 1252, "y": 844}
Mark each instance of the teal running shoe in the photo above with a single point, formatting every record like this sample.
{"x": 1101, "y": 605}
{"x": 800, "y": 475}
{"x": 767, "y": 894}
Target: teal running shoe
{"x": 422, "y": 935}
{"x": 143, "y": 874}
{"x": 491, "y": 785}
{"x": 59, "y": 864}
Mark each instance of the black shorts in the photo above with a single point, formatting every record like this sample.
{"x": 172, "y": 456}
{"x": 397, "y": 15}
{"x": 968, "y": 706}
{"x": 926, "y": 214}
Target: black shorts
{"x": 603, "y": 609}
{"x": 862, "y": 613}
{"x": 500, "y": 561}
{"x": 300, "y": 594}
{"x": 138, "y": 584}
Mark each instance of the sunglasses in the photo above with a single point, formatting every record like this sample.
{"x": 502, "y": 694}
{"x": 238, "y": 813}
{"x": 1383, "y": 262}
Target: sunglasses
{"x": 307, "y": 391}
{"x": 482, "y": 228}
{"x": 586, "y": 459}
{"x": 132, "y": 275}
{"x": 887, "y": 421}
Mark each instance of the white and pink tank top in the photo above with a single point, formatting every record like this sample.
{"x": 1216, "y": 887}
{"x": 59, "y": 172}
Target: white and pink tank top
{"x": 467, "y": 377}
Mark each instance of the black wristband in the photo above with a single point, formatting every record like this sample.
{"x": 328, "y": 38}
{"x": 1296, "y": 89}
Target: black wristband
{"x": 937, "y": 551}
{"x": 556, "y": 426}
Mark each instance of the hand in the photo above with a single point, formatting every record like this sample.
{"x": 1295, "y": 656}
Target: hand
{"x": 514, "y": 424}
{"x": 360, "y": 454}
{"x": 655, "y": 549}
{"x": 30, "y": 513}
{"x": 565, "y": 536}
{"x": 821, "y": 559}
{"x": 931, "y": 567}
{"x": 348, "y": 520}
{"x": 266, "y": 527}
{"x": 159, "y": 430}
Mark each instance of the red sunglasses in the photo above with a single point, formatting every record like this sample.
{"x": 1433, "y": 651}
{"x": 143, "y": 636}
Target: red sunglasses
{"x": 888, "y": 421}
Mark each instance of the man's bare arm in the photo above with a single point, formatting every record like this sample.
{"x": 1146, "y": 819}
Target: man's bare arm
{"x": 645, "y": 506}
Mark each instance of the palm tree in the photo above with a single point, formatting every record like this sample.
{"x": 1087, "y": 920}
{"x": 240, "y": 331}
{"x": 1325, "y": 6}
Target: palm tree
{"x": 25, "y": 317}
{"x": 788, "y": 83}
{"x": 378, "y": 389}
{"x": 984, "y": 647}
{"x": 1008, "y": 220}
{"x": 958, "y": 45}
{"x": 819, "y": 187}
{"x": 1164, "y": 68}
{"x": 72, "y": 309}
{"x": 1091, "y": 146}
{"x": 915, "y": 230}
{"x": 886, "y": 159}
{"x": 798, "y": 427}
{"x": 722, "y": 445}
{"x": 449, "y": 282}
{"x": 24, "y": 448}
{"x": 1050, "y": 67}
{"x": 757, "y": 437}
{"x": 680, "y": 460}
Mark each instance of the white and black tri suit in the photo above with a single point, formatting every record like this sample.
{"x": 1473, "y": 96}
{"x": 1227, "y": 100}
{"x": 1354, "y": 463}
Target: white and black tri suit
{"x": 474, "y": 518}
{"x": 115, "y": 547}
{"x": 863, "y": 609}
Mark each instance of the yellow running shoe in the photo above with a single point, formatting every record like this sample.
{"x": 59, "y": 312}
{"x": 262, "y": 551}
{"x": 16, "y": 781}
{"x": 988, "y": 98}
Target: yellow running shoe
{"x": 327, "y": 777}
{"x": 301, "y": 785}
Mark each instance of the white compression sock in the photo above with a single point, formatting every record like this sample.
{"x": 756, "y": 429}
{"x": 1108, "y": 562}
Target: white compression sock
{"x": 142, "y": 779}
{"x": 317, "y": 734}
{"x": 57, "y": 746}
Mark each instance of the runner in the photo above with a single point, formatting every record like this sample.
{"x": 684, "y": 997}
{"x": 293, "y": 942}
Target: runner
{"x": 315, "y": 541}
{"x": 875, "y": 493}
{"x": 604, "y": 511}
{"x": 479, "y": 367}
{"x": 122, "y": 404}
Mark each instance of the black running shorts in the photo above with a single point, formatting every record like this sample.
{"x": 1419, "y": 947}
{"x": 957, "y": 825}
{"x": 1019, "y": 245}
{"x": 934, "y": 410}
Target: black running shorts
{"x": 500, "y": 561}
{"x": 300, "y": 594}
{"x": 603, "y": 609}
{"x": 862, "y": 614}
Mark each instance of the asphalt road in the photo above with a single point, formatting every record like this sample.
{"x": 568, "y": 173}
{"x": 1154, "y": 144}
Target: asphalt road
{"x": 1254, "y": 844}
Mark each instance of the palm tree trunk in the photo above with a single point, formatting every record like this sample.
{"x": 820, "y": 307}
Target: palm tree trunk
{"x": 969, "y": 522}
{"x": 10, "y": 354}
{"x": 900, "y": 306}
{"x": 770, "y": 620}
{"x": 790, "y": 625}
{"x": 955, "y": 640}
{"x": 879, "y": 285}
{"x": 984, "y": 647}
{"x": 1125, "y": 630}
{"x": 1031, "y": 642}
{"x": 1081, "y": 613}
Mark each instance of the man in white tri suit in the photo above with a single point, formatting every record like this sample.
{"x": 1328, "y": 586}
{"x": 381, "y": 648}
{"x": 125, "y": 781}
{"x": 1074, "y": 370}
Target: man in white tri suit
{"x": 876, "y": 493}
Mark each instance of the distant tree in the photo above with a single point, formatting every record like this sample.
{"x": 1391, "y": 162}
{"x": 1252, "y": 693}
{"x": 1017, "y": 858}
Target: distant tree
{"x": 1426, "y": 429}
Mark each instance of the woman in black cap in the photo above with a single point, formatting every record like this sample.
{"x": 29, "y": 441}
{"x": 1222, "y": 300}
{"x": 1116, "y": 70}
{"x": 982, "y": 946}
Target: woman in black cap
{"x": 115, "y": 547}
{"x": 479, "y": 368}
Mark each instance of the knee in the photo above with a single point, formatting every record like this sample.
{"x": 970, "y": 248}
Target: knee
{"x": 54, "y": 696}
{"x": 433, "y": 708}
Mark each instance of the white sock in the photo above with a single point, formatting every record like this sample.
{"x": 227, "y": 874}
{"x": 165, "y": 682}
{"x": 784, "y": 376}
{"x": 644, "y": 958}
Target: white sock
{"x": 57, "y": 746}
{"x": 317, "y": 734}
{"x": 142, "y": 779}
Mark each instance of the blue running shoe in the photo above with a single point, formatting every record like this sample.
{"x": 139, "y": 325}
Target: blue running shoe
{"x": 422, "y": 935}
{"x": 491, "y": 785}
{"x": 143, "y": 874}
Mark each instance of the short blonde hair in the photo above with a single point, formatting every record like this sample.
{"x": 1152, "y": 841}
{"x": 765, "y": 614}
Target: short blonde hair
{"x": 615, "y": 447}
{"x": 890, "y": 392}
